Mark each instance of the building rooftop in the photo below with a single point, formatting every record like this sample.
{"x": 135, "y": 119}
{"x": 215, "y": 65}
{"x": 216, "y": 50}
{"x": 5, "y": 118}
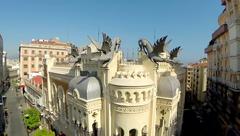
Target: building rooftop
{"x": 37, "y": 80}
{"x": 54, "y": 41}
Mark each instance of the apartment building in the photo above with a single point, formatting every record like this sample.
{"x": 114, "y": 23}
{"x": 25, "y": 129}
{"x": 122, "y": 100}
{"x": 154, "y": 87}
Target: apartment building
{"x": 189, "y": 75}
{"x": 223, "y": 51}
{"x": 199, "y": 80}
{"x": 196, "y": 81}
{"x": 32, "y": 54}
{"x": 13, "y": 68}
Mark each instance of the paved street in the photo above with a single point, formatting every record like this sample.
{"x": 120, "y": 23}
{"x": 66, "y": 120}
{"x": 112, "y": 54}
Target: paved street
{"x": 199, "y": 124}
{"x": 15, "y": 125}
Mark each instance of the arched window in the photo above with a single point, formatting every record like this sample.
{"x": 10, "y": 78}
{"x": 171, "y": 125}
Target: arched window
{"x": 76, "y": 94}
{"x": 144, "y": 96}
{"x": 119, "y": 95}
{"x": 119, "y": 132}
{"x": 95, "y": 129}
{"x": 128, "y": 97}
{"x": 61, "y": 101}
{"x": 144, "y": 131}
{"x": 137, "y": 99}
{"x": 133, "y": 132}
{"x": 54, "y": 98}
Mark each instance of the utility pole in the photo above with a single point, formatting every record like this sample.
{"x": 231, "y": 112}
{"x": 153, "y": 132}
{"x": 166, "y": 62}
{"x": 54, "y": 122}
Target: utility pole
{"x": 98, "y": 33}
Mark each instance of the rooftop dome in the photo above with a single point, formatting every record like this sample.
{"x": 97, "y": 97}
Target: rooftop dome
{"x": 87, "y": 87}
{"x": 168, "y": 86}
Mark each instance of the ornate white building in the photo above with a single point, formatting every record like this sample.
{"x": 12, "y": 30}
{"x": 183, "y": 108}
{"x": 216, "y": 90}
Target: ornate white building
{"x": 104, "y": 95}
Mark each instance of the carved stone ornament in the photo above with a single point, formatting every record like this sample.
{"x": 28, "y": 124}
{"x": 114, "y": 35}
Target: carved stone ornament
{"x": 129, "y": 109}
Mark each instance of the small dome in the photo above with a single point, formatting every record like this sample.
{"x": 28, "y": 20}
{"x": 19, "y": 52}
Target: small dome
{"x": 168, "y": 86}
{"x": 87, "y": 87}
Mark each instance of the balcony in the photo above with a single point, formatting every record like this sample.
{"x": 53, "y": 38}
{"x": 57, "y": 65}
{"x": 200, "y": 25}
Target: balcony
{"x": 208, "y": 49}
{"x": 220, "y": 31}
{"x": 234, "y": 86}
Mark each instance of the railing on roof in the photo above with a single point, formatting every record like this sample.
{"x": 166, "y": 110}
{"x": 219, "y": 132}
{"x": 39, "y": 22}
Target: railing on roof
{"x": 35, "y": 88}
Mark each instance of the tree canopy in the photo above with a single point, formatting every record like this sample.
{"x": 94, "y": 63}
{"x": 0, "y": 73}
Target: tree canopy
{"x": 31, "y": 118}
{"x": 43, "y": 132}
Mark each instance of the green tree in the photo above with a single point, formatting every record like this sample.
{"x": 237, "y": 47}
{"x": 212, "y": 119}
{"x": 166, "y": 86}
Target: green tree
{"x": 15, "y": 83}
{"x": 31, "y": 118}
{"x": 43, "y": 132}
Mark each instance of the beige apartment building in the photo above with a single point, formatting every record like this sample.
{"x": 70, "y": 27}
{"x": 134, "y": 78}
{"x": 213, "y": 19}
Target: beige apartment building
{"x": 223, "y": 51}
{"x": 189, "y": 76}
{"x": 196, "y": 81}
{"x": 199, "y": 80}
{"x": 31, "y": 55}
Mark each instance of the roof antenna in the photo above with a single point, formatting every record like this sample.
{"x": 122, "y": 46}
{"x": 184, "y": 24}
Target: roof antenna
{"x": 98, "y": 33}
{"x": 133, "y": 57}
{"x": 154, "y": 35}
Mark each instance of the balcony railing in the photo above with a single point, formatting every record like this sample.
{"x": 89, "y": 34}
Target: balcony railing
{"x": 221, "y": 30}
{"x": 232, "y": 85}
{"x": 208, "y": 49}
{"x": 35, "y": 88}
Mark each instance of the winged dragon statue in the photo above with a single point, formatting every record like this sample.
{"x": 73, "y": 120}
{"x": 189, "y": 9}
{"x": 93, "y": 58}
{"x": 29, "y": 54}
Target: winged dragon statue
{"x": 153, "y": 51}
{"x": 75, "y": 53}
{"x": 107, "y": 49}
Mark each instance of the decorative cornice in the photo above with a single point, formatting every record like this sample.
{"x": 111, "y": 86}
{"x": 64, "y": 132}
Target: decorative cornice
{"x": 131, "y": 109}
{"x": 132, "y": 75}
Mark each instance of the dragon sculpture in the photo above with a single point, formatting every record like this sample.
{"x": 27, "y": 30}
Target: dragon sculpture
{"x": 75, "y": 53}
{"x": 107, "y": 49}
{"x": 153, "y": 52}
{"x": 174, "y": 52}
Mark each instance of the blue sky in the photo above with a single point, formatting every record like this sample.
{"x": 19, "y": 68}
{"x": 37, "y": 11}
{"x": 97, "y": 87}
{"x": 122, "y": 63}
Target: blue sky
{"x": 189, "y": 23}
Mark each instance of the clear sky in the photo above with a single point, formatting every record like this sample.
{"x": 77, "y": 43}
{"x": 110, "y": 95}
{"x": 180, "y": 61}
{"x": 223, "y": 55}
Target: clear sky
{"x": 189, "y": 23}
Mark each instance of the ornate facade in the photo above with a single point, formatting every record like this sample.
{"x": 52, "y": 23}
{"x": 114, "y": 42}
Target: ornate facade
{"x": 104, "y": 95}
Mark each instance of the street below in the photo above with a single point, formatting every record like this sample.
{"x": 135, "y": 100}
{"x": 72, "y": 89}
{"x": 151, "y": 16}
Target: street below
{"x": 14, "y": 104}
